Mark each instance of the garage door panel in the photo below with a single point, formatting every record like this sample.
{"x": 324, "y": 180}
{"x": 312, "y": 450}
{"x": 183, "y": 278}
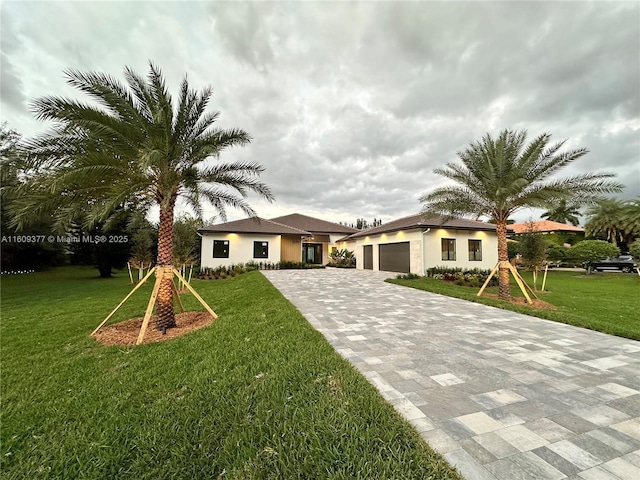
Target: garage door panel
{"x": 395, "y": 257}
{"x": 368, "y": 257}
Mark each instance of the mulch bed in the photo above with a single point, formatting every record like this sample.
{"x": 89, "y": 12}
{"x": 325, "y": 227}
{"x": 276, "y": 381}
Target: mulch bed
{"x": 521, "y": 301}
{"x": 126, "y": 333}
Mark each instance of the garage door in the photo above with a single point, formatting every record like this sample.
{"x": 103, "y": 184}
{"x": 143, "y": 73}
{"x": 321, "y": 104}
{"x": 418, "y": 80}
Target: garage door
{"x": 368, "y": 257}
{"x": 394, "y": 257}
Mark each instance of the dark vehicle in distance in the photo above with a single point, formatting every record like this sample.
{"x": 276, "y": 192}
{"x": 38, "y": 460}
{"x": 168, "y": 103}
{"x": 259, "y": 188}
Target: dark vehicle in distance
{"x": 623, "y": 262}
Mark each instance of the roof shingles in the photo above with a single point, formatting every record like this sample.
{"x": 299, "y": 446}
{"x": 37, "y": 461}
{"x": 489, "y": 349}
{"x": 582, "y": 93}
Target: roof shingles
{"x": 311, "y": 224}
{"x": 419, "y": 221}
{"x": 254, "y": 225}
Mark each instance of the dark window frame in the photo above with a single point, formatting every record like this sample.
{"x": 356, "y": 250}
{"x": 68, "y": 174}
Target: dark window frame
{"x": 219, "y": 252}
{"x": 475, "y": 255}
{"x": 447, "y": 254}
{"x": 260, "y": 249}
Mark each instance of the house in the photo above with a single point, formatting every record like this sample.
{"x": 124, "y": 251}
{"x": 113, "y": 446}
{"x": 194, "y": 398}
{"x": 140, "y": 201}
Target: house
{"x": 292, "y": 238}
{"x": 415, "y": 243}
{"x": 409, "y": 244}
{"x": 559, "y": 233}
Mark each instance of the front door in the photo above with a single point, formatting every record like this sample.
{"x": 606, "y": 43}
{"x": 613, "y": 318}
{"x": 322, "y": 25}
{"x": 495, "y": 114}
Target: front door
{"x": 312, "y": 253}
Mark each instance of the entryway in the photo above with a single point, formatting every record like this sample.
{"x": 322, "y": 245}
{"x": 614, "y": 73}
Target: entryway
{"x": 312, "y": 253}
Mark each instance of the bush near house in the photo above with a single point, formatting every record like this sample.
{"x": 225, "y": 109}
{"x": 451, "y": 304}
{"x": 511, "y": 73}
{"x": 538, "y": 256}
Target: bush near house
{"x": 342, "y": 259}
{"x": 473, "y": 277}
{"x": 229, "y": 271}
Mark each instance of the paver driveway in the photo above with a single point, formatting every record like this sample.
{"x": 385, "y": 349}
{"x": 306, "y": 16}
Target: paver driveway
{"x": 500, "y": 395}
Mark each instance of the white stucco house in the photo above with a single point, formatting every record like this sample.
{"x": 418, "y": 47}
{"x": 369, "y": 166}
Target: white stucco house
{"x": 409, "y": 244}
{"x": 415, "y": 243}
{"x": 293, "y": 238}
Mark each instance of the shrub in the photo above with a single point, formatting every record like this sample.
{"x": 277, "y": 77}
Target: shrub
{"x": 634, "y": 249}
{"x": 513, "y": 248}
{"x": 468, "y": 277}
{"x": 589, "y": 251}
{"x": 407, "y": 276}
{"x": 342, "y": 259}
{"x": 297, "y": 265}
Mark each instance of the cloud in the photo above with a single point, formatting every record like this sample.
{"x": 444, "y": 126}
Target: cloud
{"x": 351, "y": 105}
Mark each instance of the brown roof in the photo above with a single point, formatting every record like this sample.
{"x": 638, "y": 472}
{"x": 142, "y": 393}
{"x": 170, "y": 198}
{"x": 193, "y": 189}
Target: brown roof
{"x": 254, "y": 225}
{"x": 545, "y": 226}
{"x": 419, "y": 221}
{"x": 311, "y": 224}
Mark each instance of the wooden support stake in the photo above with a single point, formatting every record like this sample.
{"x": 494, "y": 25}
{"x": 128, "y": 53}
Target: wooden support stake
{"x": 177, "y": 295}
{"x": 486, "y": 282}
{"x": 160, "y": 273}
{"x": 544, "y": 279}
{"x": 195, "y": 294}
{"x": 525, "y": 283}
{"x": 190, "y": 272}
{"x": 519, "y": 280}
{"x": 516, "y": 275}
{"x": 130, "y": 276}
{"x": 122, "y": 302}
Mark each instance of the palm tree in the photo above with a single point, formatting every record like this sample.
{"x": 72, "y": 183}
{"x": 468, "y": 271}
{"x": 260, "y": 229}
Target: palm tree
{"x": 563, "y": 212}
{"x": 606, "y": 219}
{"x": 503, "y": 175}
{"x": 135, "y": 149}
{"x": 631, "y": 220}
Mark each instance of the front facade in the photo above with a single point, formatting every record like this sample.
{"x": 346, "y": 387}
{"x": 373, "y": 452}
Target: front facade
{"x": 291, "y": 238}
{"x": 414, "y": 244}
{"x": 407, "y": 245}
{"x": 321, "y": 240}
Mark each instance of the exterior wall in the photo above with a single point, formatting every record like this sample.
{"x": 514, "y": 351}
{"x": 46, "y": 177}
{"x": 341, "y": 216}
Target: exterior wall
{"x": 291, "y": 248}
{"x": 240, "y": 248}
{"x": 425, "y": 248}
{"x": 433, "y": 248}
{"x": 414, "y": 237}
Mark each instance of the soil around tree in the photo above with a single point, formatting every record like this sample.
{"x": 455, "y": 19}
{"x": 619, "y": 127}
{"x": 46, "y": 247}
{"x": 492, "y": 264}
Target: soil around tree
{"x": 126, "y": 332}
{"x": 521, "y": 301}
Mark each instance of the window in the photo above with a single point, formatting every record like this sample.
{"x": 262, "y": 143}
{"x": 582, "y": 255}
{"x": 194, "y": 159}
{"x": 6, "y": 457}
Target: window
{"x": 448, "y": 249}
{"x": 260, "y": 249}
{"x": 221, "y": 249}
{"x": 475, "y": 250}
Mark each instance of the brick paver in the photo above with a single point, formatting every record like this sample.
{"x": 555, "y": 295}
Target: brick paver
{"x": 502, "y": 396}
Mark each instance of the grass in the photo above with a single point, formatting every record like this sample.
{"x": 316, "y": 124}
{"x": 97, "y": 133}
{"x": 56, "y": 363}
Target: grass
{"x": 606, "y": 302}
{"x": 259, "y": 394}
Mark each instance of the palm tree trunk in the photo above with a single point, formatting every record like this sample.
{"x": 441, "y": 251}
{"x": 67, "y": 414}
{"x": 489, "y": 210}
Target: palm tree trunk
{"x": 504, "y": 289}
{"x": 164, "y": 303}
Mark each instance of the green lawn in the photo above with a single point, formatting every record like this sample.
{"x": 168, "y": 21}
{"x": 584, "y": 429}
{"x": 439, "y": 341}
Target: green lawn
{"x": 607, "y": 302}
{"x": 259, "y": 394}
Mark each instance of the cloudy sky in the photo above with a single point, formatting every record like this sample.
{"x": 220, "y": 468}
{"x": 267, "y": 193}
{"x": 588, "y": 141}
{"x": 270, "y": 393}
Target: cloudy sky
{"x": 352, "y": 105}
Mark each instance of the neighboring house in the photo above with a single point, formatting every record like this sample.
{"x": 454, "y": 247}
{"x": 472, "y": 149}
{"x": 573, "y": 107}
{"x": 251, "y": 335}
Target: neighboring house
{"x": 414, "y": 244}
{"x": 292, "y": 238}
{"x": 559, "y": 233}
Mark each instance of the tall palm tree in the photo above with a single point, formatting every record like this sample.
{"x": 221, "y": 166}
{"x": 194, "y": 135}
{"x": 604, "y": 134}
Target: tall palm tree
{"x": 606, "y": 219}
{"x": 500, "y": 176}
{"x": 563, "y": 212}
{"x": 134, "y": 149}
